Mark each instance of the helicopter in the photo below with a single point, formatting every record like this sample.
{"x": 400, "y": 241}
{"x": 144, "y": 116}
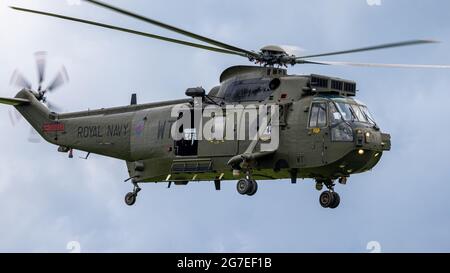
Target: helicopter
{"x": 304, "y": 126}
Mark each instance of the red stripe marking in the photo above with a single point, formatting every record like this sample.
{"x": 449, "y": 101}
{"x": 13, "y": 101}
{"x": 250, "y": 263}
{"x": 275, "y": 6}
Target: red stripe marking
{"x": 53, "y": 127}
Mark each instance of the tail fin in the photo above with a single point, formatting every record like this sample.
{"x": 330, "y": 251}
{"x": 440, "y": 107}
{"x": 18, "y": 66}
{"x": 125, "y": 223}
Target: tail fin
{"x": 31, "y": 109}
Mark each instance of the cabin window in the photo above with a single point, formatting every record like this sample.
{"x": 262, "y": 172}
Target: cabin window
{"x": 318, "y": 117}
{"x": 188, "y": 145}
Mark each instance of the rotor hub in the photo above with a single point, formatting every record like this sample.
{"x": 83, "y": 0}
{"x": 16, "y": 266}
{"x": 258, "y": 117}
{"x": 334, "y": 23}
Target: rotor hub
{"x": 274, "y": 55}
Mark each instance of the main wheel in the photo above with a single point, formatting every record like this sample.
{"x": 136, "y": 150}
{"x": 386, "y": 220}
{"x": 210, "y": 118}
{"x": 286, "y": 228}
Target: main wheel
{"x": 254, "y": 188}
{"x": 326, "y": 199}
{"x": 130, "y": 198}
{"x": 244, "y": 186}
{"x": 336, "y": 201}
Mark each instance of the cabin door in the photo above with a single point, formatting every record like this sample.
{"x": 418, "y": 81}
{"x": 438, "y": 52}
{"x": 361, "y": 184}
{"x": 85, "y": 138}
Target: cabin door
{"x": 317, "y": 132}
{"x": 188, "y": 145}
{"x": 215, "y": 142}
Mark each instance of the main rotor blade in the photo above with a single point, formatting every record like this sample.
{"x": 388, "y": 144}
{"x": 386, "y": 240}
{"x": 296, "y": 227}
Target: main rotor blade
{"x": 376, "y": 64}
{"x": 371, "y": 48}
{"x": 174, "y": 29}
{"x": 149, "y": 35}
{"x": 40, "y": 62}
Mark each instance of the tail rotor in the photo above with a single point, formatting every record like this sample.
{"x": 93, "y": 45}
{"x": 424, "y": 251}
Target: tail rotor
{"x": 20, "y": 81}
{"x": 61, "y": 78}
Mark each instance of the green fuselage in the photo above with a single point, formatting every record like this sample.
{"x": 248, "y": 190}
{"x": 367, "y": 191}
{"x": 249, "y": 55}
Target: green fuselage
{"x": 141, "y": 136}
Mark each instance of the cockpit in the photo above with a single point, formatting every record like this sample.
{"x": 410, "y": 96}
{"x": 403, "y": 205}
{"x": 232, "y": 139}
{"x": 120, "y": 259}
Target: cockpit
{"x": 341, "y": 115}
{"x": 350, "y": 110}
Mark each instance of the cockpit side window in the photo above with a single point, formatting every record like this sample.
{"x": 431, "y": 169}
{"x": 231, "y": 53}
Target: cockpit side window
{"x": 351, "y": 111}
{"x": 318, "y": 116}
{"x": 335, "y": 115}
{"x": 313, "y": 116}
{"x": 359, "y": 114}
{"x": 346, "y": 111}
{"x": 368, "y": 115}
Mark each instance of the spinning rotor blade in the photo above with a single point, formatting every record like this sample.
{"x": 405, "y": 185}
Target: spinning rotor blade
{"x": 19, "y": 80}
{"x": 40, "y": 62}
{"x": 33, "y": 136}
{"x": 267, "y": 57}
{"x": 14, "y": 117}
{"x": 149, "y": 35}
{"x": 61, "y": 78}
{"x": 174, "y": 29}
{"x": 376, "y": 64}
{"x": 371, "y": 48}
{"x": 53, "y": 107}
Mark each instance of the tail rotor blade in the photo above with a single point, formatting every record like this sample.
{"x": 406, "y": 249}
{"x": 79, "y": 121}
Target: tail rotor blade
{"x": 19, "y": 80}
{"x": 41, "y": 62}
{"x": 53, "y": 107}
{"x": 61, "y": 78}
{"x": 14, "y": 117}
{"x": 34, "y": 136}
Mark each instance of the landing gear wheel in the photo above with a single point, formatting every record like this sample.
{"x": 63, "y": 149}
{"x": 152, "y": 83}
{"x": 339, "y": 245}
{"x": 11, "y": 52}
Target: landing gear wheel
{"x": 130, "y": 198}
{"x": 336, "y": 201}
{"x": 326, "y": 199}
{"x": 244, "y": 186}
{"x": 254, "y": 188}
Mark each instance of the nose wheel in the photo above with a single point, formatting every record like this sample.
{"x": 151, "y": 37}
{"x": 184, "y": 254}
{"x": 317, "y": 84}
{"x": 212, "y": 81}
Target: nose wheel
{"x": 130, "y": 198}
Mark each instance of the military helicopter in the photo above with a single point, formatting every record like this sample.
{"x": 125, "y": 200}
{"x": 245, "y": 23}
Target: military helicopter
{"x": 324, "y": 133}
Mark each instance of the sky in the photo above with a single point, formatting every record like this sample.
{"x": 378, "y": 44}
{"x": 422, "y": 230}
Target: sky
{"x": 49, "y": 203}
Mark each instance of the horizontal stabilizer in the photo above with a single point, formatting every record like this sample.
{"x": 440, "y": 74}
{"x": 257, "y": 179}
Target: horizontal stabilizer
{"x": 14, "y": 102}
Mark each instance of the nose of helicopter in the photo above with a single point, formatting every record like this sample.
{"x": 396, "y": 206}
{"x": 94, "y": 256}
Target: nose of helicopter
{"x": 369, "y": 147}
{"x": 372, "y": 139}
